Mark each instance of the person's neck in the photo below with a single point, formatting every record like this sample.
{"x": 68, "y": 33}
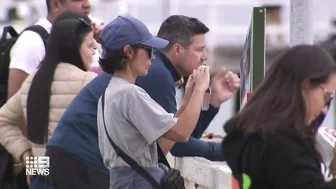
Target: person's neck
{"x": 172, "y": 61}
{"x": 125, "y": 75}
{"x": 51, "y": 18}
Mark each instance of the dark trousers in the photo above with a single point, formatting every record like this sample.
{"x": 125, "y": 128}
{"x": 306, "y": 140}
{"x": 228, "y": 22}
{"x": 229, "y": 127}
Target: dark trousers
{"x": 67, "y": 172}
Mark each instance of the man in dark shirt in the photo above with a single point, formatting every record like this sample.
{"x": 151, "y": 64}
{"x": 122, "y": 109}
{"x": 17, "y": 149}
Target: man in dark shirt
{"x": 76, "y": 133}
{"x": 185, "y": 52}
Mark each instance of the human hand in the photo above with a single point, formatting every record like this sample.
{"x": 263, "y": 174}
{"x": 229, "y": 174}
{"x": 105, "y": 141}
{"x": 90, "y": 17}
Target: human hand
{"x": 24, "y": 158}
{"x": 215, "y": 140}
{"x": 201, "y": 78}
{"x": 97, "y": 29}
{"x": 189, "y": 88}
{"x": 17, "y": 167}
{"x": 208, "y": 135}
{"x": 223, "y": 86}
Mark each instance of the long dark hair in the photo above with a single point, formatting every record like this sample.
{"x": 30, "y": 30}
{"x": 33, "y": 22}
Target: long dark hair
{"x": 64, "y": 43}
{"x": 278, "y": 101}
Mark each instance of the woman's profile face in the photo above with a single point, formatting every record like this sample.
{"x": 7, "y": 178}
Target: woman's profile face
{"x": 87, "y": 50}
{"x": 318, "y": 99}
{"x": 141, "y": 62}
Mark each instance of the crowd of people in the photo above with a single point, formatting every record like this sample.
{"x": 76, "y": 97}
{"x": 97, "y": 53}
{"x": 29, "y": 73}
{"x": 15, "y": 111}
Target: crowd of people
{"x": 95, "y": 127}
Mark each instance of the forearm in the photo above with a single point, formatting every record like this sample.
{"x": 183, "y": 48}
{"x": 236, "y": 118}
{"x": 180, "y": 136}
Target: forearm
{"x": 204, "y": 120}
{"x": 11, "y": 136}
{"x": 180, "y": 111}
{"x": 189, "y": 117}
{"x": 166, "y": 145}
{"x": 186, "y": 99}
{"x": 195, "y": 147}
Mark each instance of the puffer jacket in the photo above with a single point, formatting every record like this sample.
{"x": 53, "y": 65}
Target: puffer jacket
{"x": 68, "y": 81}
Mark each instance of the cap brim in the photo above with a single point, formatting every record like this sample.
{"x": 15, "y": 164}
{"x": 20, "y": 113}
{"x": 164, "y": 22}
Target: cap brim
{"x": 156, "y": 42}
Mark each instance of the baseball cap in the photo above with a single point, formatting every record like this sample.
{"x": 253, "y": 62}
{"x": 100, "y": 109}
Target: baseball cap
{"x": 127, "y": 30}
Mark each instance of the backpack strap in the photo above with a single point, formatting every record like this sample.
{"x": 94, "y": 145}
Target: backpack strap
{"x": 8, "y": 30}
{"x": 39, "y": 30}
{"x": 161, "y": 156}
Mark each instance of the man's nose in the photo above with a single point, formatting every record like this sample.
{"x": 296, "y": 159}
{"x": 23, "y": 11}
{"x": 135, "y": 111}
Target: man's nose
{"x": 204, "y": 56}
{"x": 86, "y": 4}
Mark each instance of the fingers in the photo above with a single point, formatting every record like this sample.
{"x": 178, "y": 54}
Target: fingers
{"x": 222, "y": 72}
{"x": 203, "y": 69}
{"x": 194, "y": 74}
{"x": 232, "y": 80}
{"x": 191, "y": 77}
{"x": 190, "y": 81}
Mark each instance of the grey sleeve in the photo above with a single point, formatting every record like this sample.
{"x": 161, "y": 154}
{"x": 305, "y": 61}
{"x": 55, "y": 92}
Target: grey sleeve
{"x": 149, "y": 117}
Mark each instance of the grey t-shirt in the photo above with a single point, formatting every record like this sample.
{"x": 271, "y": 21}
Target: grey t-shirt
{"x": 134, "y": 122}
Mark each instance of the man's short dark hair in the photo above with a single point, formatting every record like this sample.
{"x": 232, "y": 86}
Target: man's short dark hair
{"x": 180, "y": 29}
{"x": 48, "y": 4}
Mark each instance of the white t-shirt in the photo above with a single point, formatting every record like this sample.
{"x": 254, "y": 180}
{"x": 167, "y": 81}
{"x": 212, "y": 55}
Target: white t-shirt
{"x": 28, "y": 51}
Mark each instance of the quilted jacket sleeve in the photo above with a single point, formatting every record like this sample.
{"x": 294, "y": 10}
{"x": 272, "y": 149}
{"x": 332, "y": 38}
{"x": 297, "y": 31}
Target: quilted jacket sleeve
{"x": 11, "y": 137}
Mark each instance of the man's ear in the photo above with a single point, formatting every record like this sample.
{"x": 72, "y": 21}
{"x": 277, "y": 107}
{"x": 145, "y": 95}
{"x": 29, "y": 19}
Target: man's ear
{"x": 177, "y": 49}
{"x": 55, "y": 5}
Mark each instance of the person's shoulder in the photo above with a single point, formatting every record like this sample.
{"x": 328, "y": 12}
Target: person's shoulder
{"x": 98, "y": 84}
{"x": 28, "y": 39}
{"x": 288, "y": 139}
{"x": 131, "y": 91}
{"x": 31, "y": 38}
{"x": 89, "y": 76}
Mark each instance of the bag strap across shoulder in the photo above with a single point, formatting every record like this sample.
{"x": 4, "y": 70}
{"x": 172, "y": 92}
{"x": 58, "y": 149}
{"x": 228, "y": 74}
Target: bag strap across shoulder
{"x": 39, "y": 30}
{"x": 140, "y": 170}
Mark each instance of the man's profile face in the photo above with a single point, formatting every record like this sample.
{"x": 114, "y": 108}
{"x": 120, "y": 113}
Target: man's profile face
{"x": 194, "y": 55}
{"x": 79, "y": 6}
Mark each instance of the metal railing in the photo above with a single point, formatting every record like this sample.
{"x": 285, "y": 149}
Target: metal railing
{"x": 201, "y": 173}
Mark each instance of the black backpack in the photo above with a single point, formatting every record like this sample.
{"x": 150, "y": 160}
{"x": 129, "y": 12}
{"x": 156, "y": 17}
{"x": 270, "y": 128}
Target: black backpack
{"x": 5, "y": 47}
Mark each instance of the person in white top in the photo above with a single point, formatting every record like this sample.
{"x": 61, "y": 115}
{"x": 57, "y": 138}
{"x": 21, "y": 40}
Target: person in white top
{"x": 29, "y": 50}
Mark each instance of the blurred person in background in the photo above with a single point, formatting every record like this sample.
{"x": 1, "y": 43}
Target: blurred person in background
{"x": 271, "y": 143}
{"x": 29, "y": 49}
{"x": 45, "y": 95}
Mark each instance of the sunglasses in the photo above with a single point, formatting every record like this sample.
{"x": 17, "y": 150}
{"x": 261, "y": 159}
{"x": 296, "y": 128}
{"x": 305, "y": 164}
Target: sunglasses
{"x": 149, "y": 50}
{"x": 328, "y": 96}
{"x": 84, "y": 22}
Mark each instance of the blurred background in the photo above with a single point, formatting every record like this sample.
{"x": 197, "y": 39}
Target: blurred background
{"x": 228, "y": 21}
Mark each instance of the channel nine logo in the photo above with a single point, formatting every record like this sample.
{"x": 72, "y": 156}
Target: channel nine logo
{"x": 38, "y": 165}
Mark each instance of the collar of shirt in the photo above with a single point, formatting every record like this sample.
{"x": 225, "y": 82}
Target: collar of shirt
{"x": 168, "y": 65}
{"x": 45, "y": 23}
